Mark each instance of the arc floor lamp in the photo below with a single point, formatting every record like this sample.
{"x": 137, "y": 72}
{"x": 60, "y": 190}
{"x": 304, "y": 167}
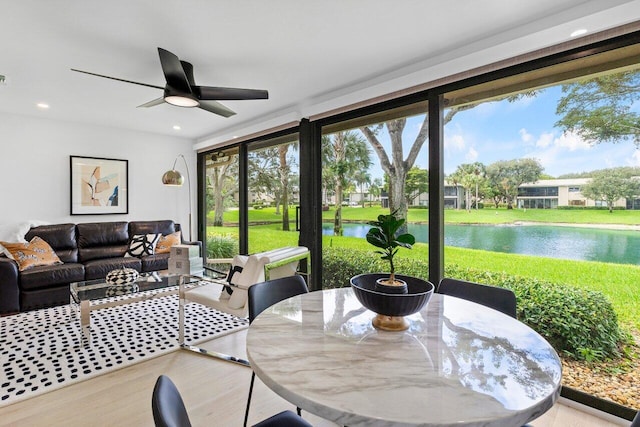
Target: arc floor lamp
{"x": 173, "y": 178}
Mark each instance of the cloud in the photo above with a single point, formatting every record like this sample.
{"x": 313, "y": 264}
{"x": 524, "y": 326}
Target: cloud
{"x": 545, "y": 140}
{"x": 472, "y": 155}
{"x": 635, "y": 159}
{"x": 567, "y": 141}
{"x": 571, "y": 141}
{"x": 525, "y": 136}
{"x": 454, "y": 142}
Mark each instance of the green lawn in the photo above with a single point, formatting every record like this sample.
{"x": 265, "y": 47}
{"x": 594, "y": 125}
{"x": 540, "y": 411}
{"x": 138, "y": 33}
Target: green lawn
{"x": 617, "y": 281}
{"x": 481, "y": 216}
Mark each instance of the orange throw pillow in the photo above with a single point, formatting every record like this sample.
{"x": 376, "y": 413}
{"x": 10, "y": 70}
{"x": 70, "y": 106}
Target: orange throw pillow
{"x": 34, "y": 253}
{"x": 165, "y": 243}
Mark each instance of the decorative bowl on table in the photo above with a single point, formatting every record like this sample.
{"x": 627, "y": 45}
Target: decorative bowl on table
{"x": 122, "y": 276}
{"x": 391, "y": 307}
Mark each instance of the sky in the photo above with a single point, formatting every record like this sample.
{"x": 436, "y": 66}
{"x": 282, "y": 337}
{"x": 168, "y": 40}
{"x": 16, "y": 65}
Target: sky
{"x": 506, "y": 130}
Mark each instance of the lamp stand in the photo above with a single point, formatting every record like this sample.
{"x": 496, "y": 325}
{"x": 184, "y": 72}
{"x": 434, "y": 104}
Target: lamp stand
{"x": 174, "y": 178}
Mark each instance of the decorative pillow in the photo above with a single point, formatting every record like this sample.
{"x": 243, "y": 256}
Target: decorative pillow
{"x": 142, "y": 244}
{"x": 34, "y": 253}
{"x": 165, "y": 242}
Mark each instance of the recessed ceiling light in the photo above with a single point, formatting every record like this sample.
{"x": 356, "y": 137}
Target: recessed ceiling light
{"x": 579, "y": 32}
{"x": 42, "y": 105}
{"x": 176, "y": 127}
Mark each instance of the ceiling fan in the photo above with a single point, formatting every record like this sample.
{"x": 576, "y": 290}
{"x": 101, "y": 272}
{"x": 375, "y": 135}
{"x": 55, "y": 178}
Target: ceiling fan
{"x": 182, "y": 91}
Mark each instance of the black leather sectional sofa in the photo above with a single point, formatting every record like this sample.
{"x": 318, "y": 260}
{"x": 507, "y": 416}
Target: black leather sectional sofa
{"x": 88, "y": 251}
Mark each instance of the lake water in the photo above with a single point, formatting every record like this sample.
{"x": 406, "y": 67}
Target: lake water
{"x": 590, "y": 244}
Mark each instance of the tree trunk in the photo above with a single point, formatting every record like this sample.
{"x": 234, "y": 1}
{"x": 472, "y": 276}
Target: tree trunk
{"x": 337, "y": 220}
{"x": 284, "y": 184}
{"x": 218, "y": 206}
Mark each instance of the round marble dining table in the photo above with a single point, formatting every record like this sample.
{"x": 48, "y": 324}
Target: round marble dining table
{"x": 458, "y": 364}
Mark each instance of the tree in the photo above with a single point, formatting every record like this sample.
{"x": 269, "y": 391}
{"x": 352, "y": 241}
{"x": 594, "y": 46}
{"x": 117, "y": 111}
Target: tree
{"x": 375, "y": 189}
{"x": 344, "y": 154}
{"x": 270, "y": 175}
{"x": 601, "y": 109}
{"x": 361, "y": 178}
{"x": 284, "y": 170}
{"x": 417, "y": 182}
{"x": 221, "y": 185}
{"x": 610, "y": 186}
{"x": 470, "y": 176}
{"x": 505, "y": 176}
{"x": 397, "y": 167}
{"x": 263, "y": 174}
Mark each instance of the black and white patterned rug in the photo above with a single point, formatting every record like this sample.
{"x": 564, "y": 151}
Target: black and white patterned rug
{"x": 41, "y": 350}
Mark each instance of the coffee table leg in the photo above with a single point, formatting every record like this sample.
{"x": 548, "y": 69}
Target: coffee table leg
{"x": 181, "y": 312}
{"x": 85, "y": 322}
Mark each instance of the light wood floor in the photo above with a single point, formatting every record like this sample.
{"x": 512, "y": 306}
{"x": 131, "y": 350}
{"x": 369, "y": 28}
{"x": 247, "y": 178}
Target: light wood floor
{"x": 215, "y": 393}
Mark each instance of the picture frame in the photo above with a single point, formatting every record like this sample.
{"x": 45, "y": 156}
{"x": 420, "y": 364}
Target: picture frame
{"x": 99, "y": 186}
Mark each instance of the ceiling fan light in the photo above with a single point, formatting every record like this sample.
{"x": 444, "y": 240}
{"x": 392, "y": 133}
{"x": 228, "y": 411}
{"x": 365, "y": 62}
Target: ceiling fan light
{"x": 173, "y": 178}
{"x": 181, "y": 101}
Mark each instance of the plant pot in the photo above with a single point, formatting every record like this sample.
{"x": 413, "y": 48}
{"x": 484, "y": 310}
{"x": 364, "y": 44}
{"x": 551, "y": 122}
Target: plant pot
{"x": 391, "y": 307}
{"x": 383, "y": 286}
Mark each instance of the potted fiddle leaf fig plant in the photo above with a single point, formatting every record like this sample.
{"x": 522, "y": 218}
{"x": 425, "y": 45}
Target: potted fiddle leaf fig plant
{"x": 384, "y": 234}
{"x": 390, "y": 296}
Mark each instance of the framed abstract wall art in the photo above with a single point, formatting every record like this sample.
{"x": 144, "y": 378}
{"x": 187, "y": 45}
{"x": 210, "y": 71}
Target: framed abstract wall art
{"x": 99, "y": 186}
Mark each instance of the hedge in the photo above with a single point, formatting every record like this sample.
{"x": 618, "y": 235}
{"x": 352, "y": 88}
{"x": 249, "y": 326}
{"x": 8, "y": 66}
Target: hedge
{"x": 578, "y": 323}
{"x": 219, "y": 246}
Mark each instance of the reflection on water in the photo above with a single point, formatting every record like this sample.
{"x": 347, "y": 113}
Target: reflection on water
{"x": 589, "y": 244}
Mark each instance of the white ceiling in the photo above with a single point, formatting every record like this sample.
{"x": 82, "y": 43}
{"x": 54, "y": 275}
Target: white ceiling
{"x": 312, "y": 56}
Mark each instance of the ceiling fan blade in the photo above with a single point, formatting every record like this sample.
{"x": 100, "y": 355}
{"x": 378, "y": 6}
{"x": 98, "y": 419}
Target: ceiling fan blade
{"x": 173, "y": 71}
{"x": 228, "y": 93}
{"x": 115, "y": 78}
{"x": 216, "y": 108}
{"x": 152, "y": 103}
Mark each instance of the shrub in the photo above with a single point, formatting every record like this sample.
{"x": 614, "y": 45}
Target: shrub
{"x": 221, "y": 246}
{"x": 578, "y": 323}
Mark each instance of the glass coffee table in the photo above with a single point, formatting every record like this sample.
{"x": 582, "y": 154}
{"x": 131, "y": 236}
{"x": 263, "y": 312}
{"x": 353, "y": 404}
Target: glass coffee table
{"x": 90, "y": 295}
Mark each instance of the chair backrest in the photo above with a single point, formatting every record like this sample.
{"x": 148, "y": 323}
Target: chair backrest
{"x": 500, "y": 299}
{"x": 263, "y": 266}
{"x": 264, "y": 295}
{"x": 167, "y": 405}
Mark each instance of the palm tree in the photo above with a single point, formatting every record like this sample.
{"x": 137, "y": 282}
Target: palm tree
{"x": 344, "y": 154}
{"x": 362, "y": 177}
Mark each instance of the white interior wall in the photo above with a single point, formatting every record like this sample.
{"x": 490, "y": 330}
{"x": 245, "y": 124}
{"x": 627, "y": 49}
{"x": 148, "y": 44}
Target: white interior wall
{"x": 34, "y": 165}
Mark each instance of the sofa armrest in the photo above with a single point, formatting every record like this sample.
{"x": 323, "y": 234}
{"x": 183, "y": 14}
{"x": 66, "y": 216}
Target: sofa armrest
{"x": 9, "y": 290}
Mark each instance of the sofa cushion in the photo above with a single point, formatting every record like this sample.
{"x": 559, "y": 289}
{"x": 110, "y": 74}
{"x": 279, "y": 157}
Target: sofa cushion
{"x": 45, "y": 297}
{"x": 98, "y": 268}
{"x": 51, "y": 275}
{"x": 155, "y": 262}
{"x": 32, "y": 254}
{"x": 163, "y": 227}
{"x": 102, "y": 240}
{"x": 61, "y": 237}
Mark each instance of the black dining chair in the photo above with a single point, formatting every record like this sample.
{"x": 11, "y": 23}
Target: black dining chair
{"x": 500, "y": 299}
{"x": 167, "y": 405}
{"x": 264, "y": 295}
{"x": 169, "y": 410}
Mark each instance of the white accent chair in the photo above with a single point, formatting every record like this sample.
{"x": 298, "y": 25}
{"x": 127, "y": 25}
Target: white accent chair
{"x": 256, "y": 268}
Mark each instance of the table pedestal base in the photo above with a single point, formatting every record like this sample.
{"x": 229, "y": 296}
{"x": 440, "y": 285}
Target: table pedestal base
{"x": 390, "y": 323}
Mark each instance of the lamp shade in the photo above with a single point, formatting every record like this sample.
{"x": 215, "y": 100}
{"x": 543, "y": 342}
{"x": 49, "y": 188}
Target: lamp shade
{"x": 173, "y": 177}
